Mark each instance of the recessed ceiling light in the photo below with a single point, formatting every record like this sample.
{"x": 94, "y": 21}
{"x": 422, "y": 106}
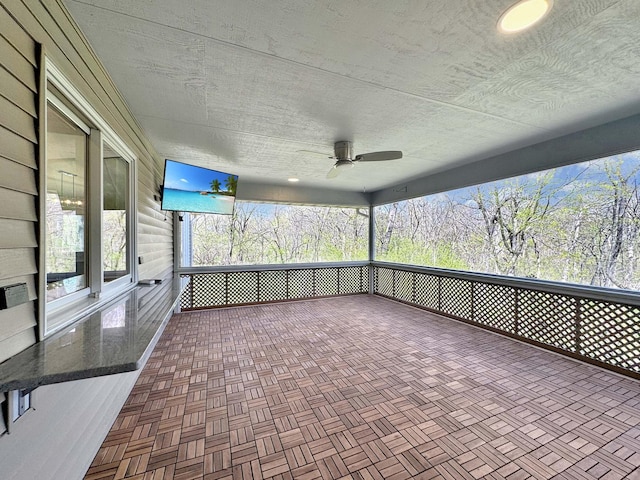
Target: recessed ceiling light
{"x": 293, "y": 179}
{"x": 523, "y": 15}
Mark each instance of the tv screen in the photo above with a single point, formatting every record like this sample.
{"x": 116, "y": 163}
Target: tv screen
{"x": 188, "y": 188}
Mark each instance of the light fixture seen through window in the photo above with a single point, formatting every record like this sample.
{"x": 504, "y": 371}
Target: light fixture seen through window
{"x": 523, "y": 15}
{"x": 68, "y": 202}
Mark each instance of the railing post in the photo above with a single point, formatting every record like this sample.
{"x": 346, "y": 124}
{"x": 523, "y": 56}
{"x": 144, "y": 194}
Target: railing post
{"x": 226, "y": 288}
{"x": 371, "y": 279}
{"x": 258, "y": 285}
{"x": 191, "y": 280}
{"x": 313, "y": 282}
{"x": 413, "y": 287}
{"x": 578, "y": 326}
{"x": 393, "y": 283}
{"x": 473, "y": 301}
{"x": 516, "y": 313}
{"x": 439, "y": 293}
{"x": 372, "y": 249}
{"x": 286, "y": 282}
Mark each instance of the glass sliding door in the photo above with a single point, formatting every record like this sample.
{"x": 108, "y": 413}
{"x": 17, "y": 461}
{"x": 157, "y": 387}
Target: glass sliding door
{"x": 115, "y": 216}
{"x": 66, "y": 240}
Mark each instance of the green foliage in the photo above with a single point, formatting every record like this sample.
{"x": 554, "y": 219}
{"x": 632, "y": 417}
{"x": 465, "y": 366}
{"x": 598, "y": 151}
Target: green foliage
{"x": 231, "y": 184}
{"x": 114, "y": 226}
{"x": 403, "y": 250}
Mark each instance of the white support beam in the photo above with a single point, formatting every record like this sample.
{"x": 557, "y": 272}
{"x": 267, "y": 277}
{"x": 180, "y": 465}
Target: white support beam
{"x": 296, "y": 195}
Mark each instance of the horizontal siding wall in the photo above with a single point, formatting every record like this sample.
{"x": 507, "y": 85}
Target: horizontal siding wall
{"x": 18, "y": 193}
{"x": 80, "y": 411}
{"x": 154, "y": 245}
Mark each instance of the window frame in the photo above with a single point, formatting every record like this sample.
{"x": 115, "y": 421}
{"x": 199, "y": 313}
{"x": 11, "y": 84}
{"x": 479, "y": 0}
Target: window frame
{"x": 124, "y": 280}
{"x": 79, "y": 122}
{"x": 57, "y": 314}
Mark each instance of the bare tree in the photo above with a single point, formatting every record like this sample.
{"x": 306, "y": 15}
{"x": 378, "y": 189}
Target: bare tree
{"x": 511, "y": 217}
{"x": 385, "y": 239}
{"x": 615, "y": 226}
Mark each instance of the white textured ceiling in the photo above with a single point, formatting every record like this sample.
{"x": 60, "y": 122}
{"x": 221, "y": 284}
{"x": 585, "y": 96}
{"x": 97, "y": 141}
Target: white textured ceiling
{"x": 249, "y": 87}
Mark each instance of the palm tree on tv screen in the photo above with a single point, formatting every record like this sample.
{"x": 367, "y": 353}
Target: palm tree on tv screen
{"x": 215, "y": 185}
{"x": 231, "y": 183}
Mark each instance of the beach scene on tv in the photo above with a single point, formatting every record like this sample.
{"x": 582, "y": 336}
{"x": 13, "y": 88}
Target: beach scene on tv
{"x": 188, "y": 188}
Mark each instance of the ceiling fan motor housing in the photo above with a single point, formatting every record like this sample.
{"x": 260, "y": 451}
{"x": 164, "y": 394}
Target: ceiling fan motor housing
{"x": 343, "y": 150}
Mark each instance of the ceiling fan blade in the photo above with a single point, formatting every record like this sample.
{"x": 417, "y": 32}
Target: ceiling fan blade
{"x": 340, "y": 165}
{"x": 334, "y": 172}
{"x": 378, "y": 156}
{"x": 313, "y": 152}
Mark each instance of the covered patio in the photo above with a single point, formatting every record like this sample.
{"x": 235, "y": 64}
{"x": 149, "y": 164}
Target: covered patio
{"x": 366, "y": 365}
{"x": 359, "y": 387}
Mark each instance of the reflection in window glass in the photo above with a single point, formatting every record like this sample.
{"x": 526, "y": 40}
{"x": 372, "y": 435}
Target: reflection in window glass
{"x": 114, "y": 215}
{"x": 115, "y": 317}
{"x": 66, "y": 206}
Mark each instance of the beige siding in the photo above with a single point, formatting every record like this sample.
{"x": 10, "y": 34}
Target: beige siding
{"x": 81, "y": 412}
{"x": 18, "y": 138}
{"x": 17, "y": 36}
{"x": 13, "y": 320}
{"x": 18, "y": 147}
{"x": 17, "y": 205}
{"x": 17, "y": 64}
{"x": 15, "y": 262}
{"x": 13, "y": 147}
{"x": 14, "y": 118}
{"x": 154, "y": 246}
{"x": 17, "y": 92}
{"x": 17, "y": 177}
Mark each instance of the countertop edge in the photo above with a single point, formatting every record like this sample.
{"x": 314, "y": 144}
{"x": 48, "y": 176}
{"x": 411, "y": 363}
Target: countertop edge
{"x": 31, "y": 380}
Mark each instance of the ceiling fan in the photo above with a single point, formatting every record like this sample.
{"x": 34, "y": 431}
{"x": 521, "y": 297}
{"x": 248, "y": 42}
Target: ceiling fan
{"x": 343, "y": 153}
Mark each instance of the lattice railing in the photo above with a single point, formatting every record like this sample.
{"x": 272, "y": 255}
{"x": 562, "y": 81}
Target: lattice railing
{"x": 603, "y": 331}
{"x": 600, "y": 328}
{"x": 262, "y": 284}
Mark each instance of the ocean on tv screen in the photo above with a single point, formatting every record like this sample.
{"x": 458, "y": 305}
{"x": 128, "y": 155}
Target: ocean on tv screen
{"x": 185, "y": 201}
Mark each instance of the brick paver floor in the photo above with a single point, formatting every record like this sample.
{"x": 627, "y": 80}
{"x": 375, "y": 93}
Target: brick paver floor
{"x": 363, "y": 387}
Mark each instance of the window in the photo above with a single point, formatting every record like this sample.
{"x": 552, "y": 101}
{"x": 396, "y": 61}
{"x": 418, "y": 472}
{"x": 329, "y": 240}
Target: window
{"x": 87, "y": 233}
{"x": 116, "y": 262}
{"x": 260, "y": 233}
{"x": 65, "y": 242}
{"x": 576, "y": 224}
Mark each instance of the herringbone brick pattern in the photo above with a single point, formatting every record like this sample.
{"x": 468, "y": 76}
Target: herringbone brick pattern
{"x": 365, "y": 388}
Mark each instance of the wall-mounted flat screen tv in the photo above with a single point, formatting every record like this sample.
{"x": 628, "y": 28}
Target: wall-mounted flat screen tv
{"x": 188, "y": 188}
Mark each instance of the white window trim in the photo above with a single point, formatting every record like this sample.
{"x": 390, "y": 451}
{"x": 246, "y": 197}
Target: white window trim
{"x": 60, "y": 81}
{"x": 66, "y": 111}
{"x": 117, "y": 285}
{"x": 81, "y": 303}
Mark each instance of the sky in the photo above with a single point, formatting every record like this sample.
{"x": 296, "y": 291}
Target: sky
{"x": 584, "y": 174}
{"x": 181, "y": 176}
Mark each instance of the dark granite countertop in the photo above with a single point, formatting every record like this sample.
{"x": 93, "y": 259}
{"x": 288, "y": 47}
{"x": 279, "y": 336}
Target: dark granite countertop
{"x": 117, "y": 338}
